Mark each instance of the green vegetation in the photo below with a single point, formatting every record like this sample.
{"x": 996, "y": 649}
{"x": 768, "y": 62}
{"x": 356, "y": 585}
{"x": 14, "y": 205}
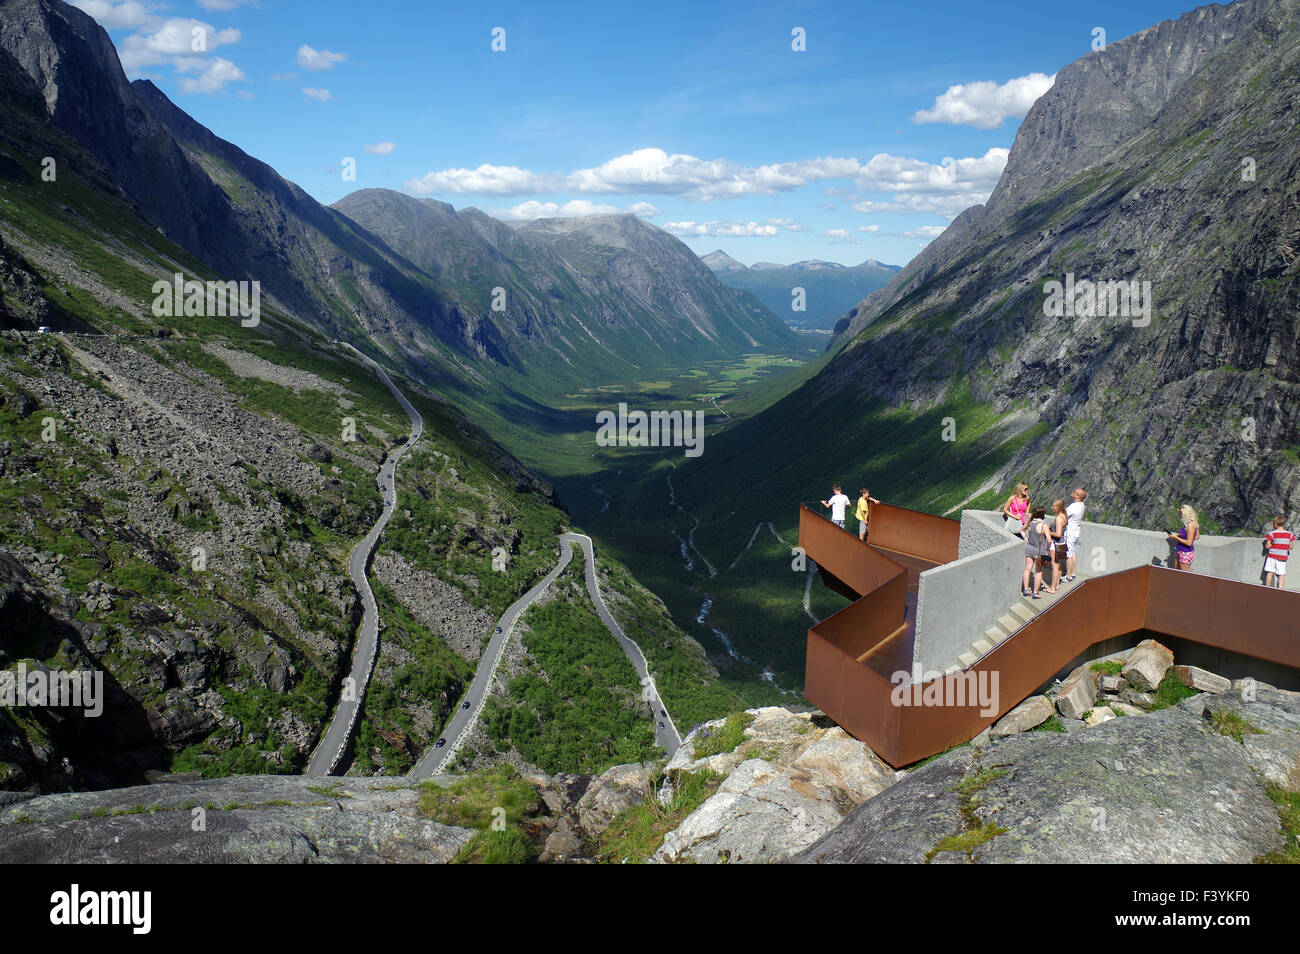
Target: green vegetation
{"x": 725, "y": 738}
{"x": 1170, "y": 692}
{"x": 638, "y": 832}
{"x": 1053, "y": 724}
{"x": 497, "y": 804}
{"x": 578, "y": 709}
{"x": 1232, "y": 724}
{"x": 1288, "y": 807}
{"x": 977, "y": 832}
{"x": 1111, "y": 668}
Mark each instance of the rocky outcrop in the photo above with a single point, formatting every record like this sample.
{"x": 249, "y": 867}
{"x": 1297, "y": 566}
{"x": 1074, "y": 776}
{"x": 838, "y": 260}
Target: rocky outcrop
{"x": 787, "y": 784}
{"x": 1161, "y": 787}
{"x": 249, "y": 820}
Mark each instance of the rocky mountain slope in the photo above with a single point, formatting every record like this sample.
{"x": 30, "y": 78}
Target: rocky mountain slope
{"x": 830, "y": 289}
{"x": 1168, "y": 159}
{"x": 607, "y": 289}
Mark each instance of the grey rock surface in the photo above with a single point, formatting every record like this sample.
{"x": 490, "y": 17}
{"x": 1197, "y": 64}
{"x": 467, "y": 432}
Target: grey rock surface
{"x": 1163, "y": 787}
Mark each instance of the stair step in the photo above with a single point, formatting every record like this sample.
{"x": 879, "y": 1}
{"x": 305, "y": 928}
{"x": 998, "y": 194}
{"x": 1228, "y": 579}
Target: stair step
{"x": 966, "y": 659}
{"x": 1025, "y": 613}
{"x": 980, "y": 647}
{"x": 996, "y": 635}
{"x": 952, "y": 669}
{"x": 1010, "y": 623}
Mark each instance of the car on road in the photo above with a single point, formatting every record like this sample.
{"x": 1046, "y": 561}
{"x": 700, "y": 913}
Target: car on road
{"x": 498, "y": 630}
{"x": 661, "y": 725}
{"x": 465, "y": 704}
{"x": 664, "y": 713}
{"x": 441, "y": 743}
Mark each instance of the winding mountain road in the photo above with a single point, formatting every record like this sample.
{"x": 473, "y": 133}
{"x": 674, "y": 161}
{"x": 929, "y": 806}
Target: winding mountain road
{"x": 665, "y": 730}
{"x": 330, "y": 749}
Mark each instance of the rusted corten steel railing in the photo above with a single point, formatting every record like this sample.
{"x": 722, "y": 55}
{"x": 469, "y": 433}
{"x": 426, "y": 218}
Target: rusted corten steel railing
{"x": 1240, "y": 617}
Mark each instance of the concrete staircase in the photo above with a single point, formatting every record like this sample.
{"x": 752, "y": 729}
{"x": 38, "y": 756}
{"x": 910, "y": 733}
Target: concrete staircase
{"x": 1023, "y": 611}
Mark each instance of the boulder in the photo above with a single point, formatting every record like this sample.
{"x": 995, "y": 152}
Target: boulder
{"x": 1111, "y": 683}
{"x": 839, "y": 761}
{"x": 1034, "y": 711}
{"x": 759, "y": 814}
{"x": 1098, "y": 715}
{"x": 1143, "y": 700}
{"x": 1147, "y": 665}
{"x": 1171, "y": 790}
{"x": 1201, "y": 679}
{"x": 617, "y": 790}
{"x": 1076, "y": 695}
{"x": 1123, "y": 708}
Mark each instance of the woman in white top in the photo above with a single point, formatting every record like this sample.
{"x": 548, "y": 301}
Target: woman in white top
{"x": 1073, "y": 527}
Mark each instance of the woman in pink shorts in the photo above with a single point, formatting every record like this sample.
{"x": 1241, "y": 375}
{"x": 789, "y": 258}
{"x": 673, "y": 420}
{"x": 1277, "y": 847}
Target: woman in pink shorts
{"x": 1185, "y": 538}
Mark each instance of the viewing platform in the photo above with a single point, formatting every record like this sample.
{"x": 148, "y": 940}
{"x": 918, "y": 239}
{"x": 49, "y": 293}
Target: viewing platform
{"x": 937, "y": 605}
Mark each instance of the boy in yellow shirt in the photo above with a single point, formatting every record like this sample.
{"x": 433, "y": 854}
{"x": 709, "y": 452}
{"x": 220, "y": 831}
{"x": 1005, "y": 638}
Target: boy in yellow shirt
{"x": 864, "y": 512}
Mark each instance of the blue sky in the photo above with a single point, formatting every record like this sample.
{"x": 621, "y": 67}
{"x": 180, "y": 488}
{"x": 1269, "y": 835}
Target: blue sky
{"x": 699, "y": 117}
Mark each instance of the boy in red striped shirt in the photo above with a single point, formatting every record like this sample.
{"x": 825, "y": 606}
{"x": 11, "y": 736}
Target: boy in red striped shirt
{"x": 1279, "y": 541}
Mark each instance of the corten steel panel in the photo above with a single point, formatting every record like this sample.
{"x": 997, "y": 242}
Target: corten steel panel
{"x": 1098, "y": 609}
{"x": 842, "y": 555}
{"x": 918, "y": 534}
{"x": 858, "y": 697}
{"x": 859, "y": 627}
{"x": 1244, "y": 618}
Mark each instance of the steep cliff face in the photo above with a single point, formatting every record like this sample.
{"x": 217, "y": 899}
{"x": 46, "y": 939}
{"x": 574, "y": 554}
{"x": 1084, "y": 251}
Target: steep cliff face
{"x": 1183, "y": 396}
{"x": 1097, "y": 105}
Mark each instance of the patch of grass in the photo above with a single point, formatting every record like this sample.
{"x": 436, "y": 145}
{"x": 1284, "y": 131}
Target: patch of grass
{"x": 725, "y": 738}
{"x": 1111, "y": 668}
{"x": 508, "y": 847}
{"x": 966, "y": 842}
{"x": 977, "y": 833}
{"x": 1170, "y": 692}
{"x": 1232, "y": 724}
{"x": 1053, "y": 724}
{"x": 479, "y": 799}
{"x": 1288, "y": 808}
{"x": 636, "y": 833}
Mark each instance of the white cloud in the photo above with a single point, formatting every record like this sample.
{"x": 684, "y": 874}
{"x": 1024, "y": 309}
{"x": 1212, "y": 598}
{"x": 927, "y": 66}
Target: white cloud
{"x": 984, "y": 104}
{"x": 869, "y": 229}
{"x": 380, "y": 148}
{"x": 211, "y": 74}
{"x": 533, "y": 209}
{"x": 158, "y": 43}
{"x": 222, "y": 4}
{"x": 643, "y": 209}
{"x": 926, "y": 232}
{"x": 949, "y": 206}
{"x": 320, "y": 95}
{"x": 790, "y": 225}
{"x": 115, "y": 16}
{"x": 316, "y": 60}
{"x": 655, "y": 172}
{"x": 487, "y": 179}
{"x": 841, "y": 234}
{"x": 724, "y": 229}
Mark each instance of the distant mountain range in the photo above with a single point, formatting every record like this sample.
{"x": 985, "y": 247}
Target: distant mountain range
{"x": 829, "y": 289}
{"x": 607, "y": 290}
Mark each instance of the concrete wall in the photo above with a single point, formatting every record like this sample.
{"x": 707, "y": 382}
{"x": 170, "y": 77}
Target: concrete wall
{"x": 957, "y": 602}
{"x": 1105, "y": 548}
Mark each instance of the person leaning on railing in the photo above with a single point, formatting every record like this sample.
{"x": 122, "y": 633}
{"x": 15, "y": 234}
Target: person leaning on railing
{"x": 1017, "y": 508}
{"x": 864, "y": 512}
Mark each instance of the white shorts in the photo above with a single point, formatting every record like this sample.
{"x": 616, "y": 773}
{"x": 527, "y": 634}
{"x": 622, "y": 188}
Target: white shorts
{"x": 1277, "y": 567}
{"x": 1071, "y": 541}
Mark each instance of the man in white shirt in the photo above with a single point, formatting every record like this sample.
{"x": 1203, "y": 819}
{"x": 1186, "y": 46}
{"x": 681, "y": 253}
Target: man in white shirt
{"x": 838, "y": 504}
{"x": 1073, "y": 527}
